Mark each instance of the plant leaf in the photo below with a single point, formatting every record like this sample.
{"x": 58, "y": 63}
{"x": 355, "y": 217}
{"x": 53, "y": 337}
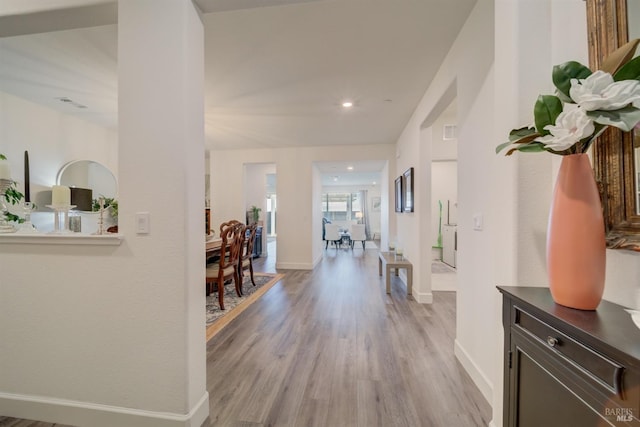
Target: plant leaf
{"x": 625, "y": 118}
{"x": 502, "y": 146}
{"x": 2, "y": 157}
{"x": 563, "y": 73}
{"x": 526, "y": 139}
{"x": 533, "y": 147}
{"x": 612, "y": 63}
{"x": 564, "y": 98}
{"x": 545, "y": 112}
{"x": 629, "y": 71}
{"x": 517, "y": 134}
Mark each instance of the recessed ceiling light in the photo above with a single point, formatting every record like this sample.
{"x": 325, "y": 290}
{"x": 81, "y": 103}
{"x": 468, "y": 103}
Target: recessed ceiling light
{"x": 335, "y": 178}
{"x": 347, "y": 104}
{"x": 374, "y": 183}
{"x": 350, "y": 168}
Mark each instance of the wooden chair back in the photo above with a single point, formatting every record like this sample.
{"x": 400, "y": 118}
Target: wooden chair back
{"x": 232, "y": 237}
{"x": 247, "y": 247}
{"x": 227, "y": 224}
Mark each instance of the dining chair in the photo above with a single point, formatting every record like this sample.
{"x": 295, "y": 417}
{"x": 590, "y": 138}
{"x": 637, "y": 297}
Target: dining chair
{"x": 215, "y": 255}
{"x": 358, "y": 234}
{"x": 332, "y": 235}
{"x": 228, "y": 223}
{"x": 227, "y": 265}
{"x": 246, "y": 252}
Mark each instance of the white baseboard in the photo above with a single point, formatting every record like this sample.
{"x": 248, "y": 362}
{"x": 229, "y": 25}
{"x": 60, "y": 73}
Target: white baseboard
{"x": 478, "y": 377}
{"x": 423, "y": 297}
{"x": 317, "y": 261}
{"x": 96, "y": 415}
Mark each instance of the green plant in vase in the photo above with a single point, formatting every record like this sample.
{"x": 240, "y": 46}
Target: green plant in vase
{"x": 255, "y": 213}
{"x": 109, "y": 202}
{"x": 12, "y": 196}
{"x": 568, "y": 123}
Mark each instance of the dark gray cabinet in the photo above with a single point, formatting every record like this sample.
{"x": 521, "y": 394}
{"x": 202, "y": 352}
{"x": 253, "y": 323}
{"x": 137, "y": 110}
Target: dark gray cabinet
{"x": 568, "y": 368}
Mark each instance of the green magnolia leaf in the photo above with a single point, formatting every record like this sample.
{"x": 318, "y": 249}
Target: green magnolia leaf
{"x": 624, "y": 119}
{"x": 502, "y": 146}
{"x": 2, "y": 157}
{"x": 564, "y": 98}
{"x": 629, "y": 71}
{"x": 563, "y": 73}
{"x": 533, "y": 147}
{"x": 545, "y": 112}
{"x": 517, "y": 134}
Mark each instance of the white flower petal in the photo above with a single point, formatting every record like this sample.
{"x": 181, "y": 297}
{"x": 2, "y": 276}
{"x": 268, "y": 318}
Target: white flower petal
{"x": 600, "y": 92}
{"x": 572, "y": 125}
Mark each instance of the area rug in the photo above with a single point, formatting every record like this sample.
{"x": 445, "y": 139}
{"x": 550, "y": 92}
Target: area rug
{"x": 234, "y": 305}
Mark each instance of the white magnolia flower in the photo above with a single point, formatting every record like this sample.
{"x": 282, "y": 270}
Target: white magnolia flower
{"x": 572, "y": 125}
{"x": 600, "y": 92}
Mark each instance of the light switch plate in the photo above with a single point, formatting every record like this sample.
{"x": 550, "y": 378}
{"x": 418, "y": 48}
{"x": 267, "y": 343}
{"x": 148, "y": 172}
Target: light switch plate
{"x": 477, "y": 221}
{"x": 142, "y": 223}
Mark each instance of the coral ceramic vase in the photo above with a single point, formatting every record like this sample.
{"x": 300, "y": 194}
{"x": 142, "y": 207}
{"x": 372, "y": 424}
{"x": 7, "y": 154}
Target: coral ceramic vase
{"x": 575, "y": 238}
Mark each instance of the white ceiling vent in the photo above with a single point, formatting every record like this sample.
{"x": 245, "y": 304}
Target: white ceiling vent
{"x": 450, "y": 132}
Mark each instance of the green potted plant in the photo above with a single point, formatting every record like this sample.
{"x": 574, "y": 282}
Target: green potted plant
{"x": 255, "y": 213}
{"x": 13, "y": 196}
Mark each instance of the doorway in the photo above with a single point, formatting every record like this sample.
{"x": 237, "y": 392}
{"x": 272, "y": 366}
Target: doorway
{"x": 444, "y": 200}
{"x": 259, "y": 196}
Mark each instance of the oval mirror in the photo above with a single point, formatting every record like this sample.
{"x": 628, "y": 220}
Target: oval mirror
{"x": 87, "y": 174}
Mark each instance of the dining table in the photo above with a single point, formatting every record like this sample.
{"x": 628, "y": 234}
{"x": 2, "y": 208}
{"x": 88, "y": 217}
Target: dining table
{"x": 212, "y": 244}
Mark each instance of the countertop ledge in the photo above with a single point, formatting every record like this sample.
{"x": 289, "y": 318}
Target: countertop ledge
{"x": 110, "y": 239}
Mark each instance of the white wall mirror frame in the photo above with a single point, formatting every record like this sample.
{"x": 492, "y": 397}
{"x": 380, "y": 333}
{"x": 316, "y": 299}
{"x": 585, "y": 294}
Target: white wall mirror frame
{"x": 89, "y": 174}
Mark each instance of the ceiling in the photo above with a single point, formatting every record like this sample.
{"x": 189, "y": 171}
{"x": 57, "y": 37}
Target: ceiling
{"x": 276, "y": 71}
{"x": 350, "y": 173}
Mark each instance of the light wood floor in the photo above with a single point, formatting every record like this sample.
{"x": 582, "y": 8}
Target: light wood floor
{"x": 329, "y": 348}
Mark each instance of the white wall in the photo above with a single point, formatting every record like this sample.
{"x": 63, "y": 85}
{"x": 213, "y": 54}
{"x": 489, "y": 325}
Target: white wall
{"x": 444, "y": 173}
{"x": 114, "y": 335}
{"x": 316, "y": 216}
{"x": 444, "y": 188}
{"x": 444, "y": 149}
{"x": 298, "y": 193}
{"x": 465, "y": 68}
{"x": 466, "y": 73}
{"x": 255, "y": 186}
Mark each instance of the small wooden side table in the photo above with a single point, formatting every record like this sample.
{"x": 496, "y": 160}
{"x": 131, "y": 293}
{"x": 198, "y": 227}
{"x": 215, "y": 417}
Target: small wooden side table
{"x": 391, "y": 260}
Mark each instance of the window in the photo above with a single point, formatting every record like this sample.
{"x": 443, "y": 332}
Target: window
{"x": 340, "y": 206}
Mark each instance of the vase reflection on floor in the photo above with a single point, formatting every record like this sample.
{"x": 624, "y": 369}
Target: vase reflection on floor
{"x": 576, "y": 248}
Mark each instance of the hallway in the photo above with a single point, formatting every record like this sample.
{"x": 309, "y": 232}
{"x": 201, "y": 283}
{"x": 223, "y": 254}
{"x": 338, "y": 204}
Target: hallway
{"x": 329, "y": 348}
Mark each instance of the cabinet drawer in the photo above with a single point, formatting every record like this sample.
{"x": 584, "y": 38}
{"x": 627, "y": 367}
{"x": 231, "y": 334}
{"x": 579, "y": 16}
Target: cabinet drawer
{"x": 596, "y": 366}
